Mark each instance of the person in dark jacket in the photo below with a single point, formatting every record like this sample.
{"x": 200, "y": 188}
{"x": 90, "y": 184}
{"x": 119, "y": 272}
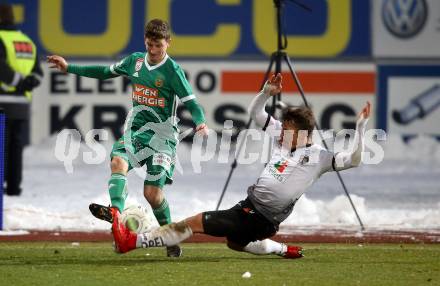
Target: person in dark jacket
{"x": 20, "y": 73}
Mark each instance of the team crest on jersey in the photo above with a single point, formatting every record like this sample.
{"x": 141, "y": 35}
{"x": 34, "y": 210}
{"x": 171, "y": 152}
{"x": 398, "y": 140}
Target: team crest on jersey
{"x": 139, "y": 63}
{"x": 305, "y": 159}
{"x": 159, "y": 82}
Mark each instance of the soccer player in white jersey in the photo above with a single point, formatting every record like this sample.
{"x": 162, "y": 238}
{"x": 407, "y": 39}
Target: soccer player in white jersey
{"x": 294, "y": 165}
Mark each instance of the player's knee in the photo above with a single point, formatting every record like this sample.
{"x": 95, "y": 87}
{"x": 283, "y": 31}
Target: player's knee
{"x": 119, "y": 165}
{"x": 195, "y": 223}
{"x": 153, "y": 195}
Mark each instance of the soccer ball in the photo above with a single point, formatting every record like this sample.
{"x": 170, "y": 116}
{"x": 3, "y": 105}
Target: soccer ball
{"x": 137, "y": 219}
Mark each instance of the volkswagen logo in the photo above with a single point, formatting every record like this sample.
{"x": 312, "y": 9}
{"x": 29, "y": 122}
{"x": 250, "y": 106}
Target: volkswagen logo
{"x": 404, "y": 18}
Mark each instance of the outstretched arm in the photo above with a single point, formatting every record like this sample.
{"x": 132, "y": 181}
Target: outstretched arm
{"x": 198, "y": 116}
{"x": 346, "y": 160}
{"x": 257, "y": 107}
{"x": 184, "y": 91}
{"x": 99, "y": 72}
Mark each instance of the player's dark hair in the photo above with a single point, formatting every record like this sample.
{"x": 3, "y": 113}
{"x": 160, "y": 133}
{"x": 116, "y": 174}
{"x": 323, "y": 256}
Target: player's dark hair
{"x": 157, "y": 29}
{"x": 301, "y": 117}
{"x": 6, "y": 14}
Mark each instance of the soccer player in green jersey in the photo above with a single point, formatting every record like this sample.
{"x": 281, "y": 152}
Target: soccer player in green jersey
{"x": 150, "y": 133}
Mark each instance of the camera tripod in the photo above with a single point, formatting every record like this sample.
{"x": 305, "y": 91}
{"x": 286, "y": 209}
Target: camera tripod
{"x": 276, "y": 59}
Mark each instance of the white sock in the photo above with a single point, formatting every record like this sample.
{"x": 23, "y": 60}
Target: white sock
{"x": 267, "y": 246}
{"x": 166, "y": 235}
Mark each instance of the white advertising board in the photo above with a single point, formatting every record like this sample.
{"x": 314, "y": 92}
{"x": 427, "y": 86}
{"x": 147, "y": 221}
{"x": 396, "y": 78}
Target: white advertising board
{"x": 224, "y": 89}
{"x": 406, "y": 28}
{"x": 410, "y": 99}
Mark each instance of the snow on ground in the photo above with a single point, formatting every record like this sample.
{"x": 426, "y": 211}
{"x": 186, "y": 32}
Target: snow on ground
{"x": 403, "y": 192}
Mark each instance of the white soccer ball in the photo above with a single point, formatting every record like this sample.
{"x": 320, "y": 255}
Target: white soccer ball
{"x": 137, "y": 219}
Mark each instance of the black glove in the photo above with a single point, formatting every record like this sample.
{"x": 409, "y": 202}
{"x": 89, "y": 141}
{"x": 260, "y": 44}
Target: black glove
{"x": 28, "y": 83}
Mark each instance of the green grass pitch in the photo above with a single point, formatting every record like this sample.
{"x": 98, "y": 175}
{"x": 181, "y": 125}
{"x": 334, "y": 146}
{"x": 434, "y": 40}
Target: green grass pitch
{"x": 41, "y": 263}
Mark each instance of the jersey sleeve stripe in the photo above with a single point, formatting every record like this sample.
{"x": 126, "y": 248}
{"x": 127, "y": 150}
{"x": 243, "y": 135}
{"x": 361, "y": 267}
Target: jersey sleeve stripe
{"x": 267, "y": 122}
{"x": 187, "y": 98}
{"x": 334, "y": 162}
{"x": 112, "y": 69}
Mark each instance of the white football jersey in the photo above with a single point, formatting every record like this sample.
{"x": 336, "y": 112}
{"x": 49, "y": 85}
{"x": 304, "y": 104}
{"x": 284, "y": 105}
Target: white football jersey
{"x": 290, "y": 172}
{"x": 287, "y": 176}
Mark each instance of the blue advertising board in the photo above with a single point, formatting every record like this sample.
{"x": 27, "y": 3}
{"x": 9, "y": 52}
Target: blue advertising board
{"x": 201, "y": 29}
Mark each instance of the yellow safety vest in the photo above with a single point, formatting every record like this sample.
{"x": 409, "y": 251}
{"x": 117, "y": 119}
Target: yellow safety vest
{"x": 21, "y": 55}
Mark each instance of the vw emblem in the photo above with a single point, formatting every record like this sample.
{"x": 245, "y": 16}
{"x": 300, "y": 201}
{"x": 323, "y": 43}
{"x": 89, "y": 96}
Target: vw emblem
{"x": 404, "y": 18}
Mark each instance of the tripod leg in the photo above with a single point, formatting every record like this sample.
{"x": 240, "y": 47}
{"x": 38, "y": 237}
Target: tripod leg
{"x": 240, "y": 146}
{"x": 349, "y": 199}
{"x": 301, "y": 91}
{"x": 234, "y": 165}
{"x": 296, "y": 79}
{"x": 269, "y": 68}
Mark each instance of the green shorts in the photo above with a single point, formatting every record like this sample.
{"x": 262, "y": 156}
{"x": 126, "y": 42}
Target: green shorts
{"x": 158, "y": 156}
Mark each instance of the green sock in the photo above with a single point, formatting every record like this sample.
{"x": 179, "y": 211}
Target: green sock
{"x": 117, "y": 188}
{"x": 162, "y": 213}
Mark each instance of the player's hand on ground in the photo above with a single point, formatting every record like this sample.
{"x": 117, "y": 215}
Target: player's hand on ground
{"x": 57, "y": 62}
{"x": 273, "y": 86}
{"x": 202, "y": 129}
{"x": 365, "y": 113}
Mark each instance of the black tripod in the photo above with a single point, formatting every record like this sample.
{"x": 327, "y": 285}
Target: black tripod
{"x": 276, "y": 58}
